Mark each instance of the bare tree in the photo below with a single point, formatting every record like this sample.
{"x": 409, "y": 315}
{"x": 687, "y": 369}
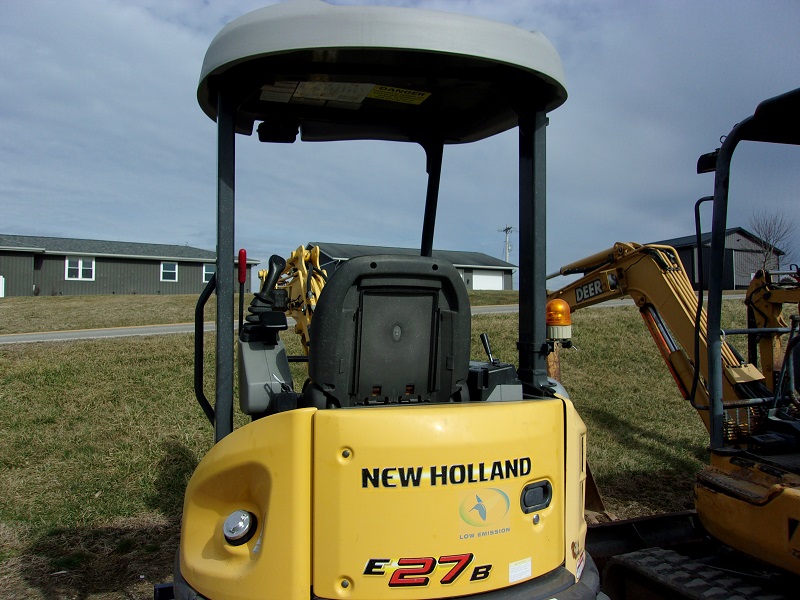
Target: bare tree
{"x": 777, "y": 230}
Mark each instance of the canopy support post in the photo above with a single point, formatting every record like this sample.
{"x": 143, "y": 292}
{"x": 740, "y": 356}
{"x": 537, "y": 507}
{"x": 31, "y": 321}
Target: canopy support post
{"x": 532, "y": 342}
{"x": 716, "y": 284}
{"x": 226, "y": 144}
{"x": 433, "y": 154}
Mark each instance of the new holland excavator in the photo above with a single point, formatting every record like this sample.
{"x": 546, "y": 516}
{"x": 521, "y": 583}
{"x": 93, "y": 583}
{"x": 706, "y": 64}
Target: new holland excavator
{"x": 748, "y": 497}
{"x": 401, "y": 469}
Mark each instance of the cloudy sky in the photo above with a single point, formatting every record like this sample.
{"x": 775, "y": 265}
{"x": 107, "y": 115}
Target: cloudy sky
{"x": 101, "y": 136}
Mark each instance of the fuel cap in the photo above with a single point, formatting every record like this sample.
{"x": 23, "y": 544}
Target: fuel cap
{"x": 239, "y": 527}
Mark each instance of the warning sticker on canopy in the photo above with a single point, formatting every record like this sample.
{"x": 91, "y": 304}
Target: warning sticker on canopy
{"x": 396, "y": 94}
{"x": 352, "y": 93}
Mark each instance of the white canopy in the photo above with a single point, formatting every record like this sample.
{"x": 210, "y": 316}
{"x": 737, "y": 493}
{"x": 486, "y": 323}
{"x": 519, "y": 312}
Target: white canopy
{"x": 355, "y": 72}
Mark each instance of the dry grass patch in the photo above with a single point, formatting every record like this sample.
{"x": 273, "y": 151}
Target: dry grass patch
{"x": 98, "y": 440}
{"x": 63, "y": 313}
{"x": 97, "y": 444}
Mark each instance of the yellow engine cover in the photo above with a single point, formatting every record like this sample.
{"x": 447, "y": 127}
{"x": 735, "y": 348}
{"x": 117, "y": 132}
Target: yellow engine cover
{"x": 421, "y": 502}
{"x": 390, "y": 502}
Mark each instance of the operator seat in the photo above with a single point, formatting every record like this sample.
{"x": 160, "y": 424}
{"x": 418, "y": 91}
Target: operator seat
{"x": 389, "y": 329}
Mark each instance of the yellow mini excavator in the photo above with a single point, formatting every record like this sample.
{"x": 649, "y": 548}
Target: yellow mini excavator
{"x": 749, "y": 496}
{"x": 402, "y": 469}
{"x": 654, "y": 278}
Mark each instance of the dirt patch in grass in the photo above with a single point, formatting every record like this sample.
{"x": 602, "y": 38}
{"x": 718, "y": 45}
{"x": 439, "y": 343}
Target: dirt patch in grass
{"x": 121, "y": 560}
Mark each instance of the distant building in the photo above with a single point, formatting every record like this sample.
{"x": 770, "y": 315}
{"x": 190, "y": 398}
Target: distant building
{"x": 49, "y": 266}
{"x": 479, "y": 271}
{"x": 744, "y": 253}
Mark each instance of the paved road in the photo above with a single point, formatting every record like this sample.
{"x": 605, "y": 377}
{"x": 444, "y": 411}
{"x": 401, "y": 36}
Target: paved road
{"x": 96, "y": 334}
{"x": 513, "y": 308}
{"x": 116, "y": 332}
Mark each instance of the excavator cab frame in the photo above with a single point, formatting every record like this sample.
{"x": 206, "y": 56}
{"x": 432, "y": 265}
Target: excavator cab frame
{"x": 751, "y": 411}
{"x": 409, "y": 486}
{"x": 305, "y": 80}
{"x": 776, "y": 121}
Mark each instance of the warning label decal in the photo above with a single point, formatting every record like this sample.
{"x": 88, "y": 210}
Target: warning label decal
{"x": 396, "y": 94}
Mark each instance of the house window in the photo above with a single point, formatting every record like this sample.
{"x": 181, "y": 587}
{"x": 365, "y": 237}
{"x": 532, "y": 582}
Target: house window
{"x": 79, "y": 269}
{"x": 169, "y": 271}
{"x": 208, "y": 271}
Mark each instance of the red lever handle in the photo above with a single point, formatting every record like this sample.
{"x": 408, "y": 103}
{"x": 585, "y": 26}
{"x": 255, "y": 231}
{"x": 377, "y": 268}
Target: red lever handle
{"x": 242, "y": 266}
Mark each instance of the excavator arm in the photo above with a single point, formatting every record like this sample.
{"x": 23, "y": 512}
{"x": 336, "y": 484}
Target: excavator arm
{"x": 654, "y": 277}
{"x": 765, "y": 299}
{"x": 302, "y": 280}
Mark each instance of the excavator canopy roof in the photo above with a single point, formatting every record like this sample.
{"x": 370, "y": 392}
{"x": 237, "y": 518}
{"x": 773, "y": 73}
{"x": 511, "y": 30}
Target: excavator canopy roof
{"x": 776, "y": 120}
{"x": 355, "y": 72}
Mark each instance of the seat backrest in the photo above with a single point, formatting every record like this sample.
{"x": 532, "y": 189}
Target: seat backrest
{"x": 389, "y": 329}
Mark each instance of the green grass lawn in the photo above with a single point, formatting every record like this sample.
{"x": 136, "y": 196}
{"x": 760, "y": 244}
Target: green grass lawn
{"x": 98, "y": 439}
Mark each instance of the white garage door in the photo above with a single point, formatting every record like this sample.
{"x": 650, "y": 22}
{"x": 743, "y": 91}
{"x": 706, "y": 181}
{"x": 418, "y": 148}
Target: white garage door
{"x": 487, "y": 280}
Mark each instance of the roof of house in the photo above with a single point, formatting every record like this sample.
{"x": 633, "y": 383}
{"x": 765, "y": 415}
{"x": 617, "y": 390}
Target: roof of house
{"x": 107, "y": 248}
{"x": 457, "y": 258}
{"x": 691, "y": 240}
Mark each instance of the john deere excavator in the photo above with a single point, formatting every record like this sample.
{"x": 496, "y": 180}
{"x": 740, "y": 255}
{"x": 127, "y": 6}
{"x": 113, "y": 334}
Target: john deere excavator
{"x": 401, "y": 469}
{"x": 749, "y": 496}
{"x": 654, "y": 278}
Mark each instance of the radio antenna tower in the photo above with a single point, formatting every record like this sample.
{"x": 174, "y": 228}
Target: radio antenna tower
{"x": 508, "y": 229}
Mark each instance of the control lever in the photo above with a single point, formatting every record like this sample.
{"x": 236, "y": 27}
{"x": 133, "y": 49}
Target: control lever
{"x": 242, "y": 268}
{"x": 488, "y": 348}
{"x": 262, "y": 306}
{"x": 276, "y": 266}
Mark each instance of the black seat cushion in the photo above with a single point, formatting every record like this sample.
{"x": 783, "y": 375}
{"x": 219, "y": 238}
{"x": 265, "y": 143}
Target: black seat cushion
{"x": 389, "y": 329}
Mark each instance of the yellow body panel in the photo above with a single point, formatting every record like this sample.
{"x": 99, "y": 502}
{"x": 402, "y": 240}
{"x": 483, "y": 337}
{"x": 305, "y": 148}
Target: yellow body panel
{"x": 754, "y": 510}
{"x": 389, "y": 502}
{"x": 575, "y": 497}
{"x": 421, "y": 502}
{"x": 265, "y": 468}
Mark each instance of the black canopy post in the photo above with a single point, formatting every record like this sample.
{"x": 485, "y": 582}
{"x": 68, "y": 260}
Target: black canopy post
{"x": 433, "y": 154}
{"x": 532, "y": 250}
{"x": 226, "y": 119}
{"x": 716, "y": 263}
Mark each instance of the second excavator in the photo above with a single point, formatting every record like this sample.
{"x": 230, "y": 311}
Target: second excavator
{"x": 755, "y": 477}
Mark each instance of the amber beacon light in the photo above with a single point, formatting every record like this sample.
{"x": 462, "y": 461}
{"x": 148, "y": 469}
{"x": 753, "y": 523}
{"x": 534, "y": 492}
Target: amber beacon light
{"x": 559, "y": 320}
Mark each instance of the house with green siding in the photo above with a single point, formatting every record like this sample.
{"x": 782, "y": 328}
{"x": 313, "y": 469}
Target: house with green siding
{"x": 50, "y": 266}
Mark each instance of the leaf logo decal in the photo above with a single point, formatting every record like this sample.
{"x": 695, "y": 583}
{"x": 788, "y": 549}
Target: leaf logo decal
{"x": 489, "y": 507}
{"x": 480, "y": 507}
